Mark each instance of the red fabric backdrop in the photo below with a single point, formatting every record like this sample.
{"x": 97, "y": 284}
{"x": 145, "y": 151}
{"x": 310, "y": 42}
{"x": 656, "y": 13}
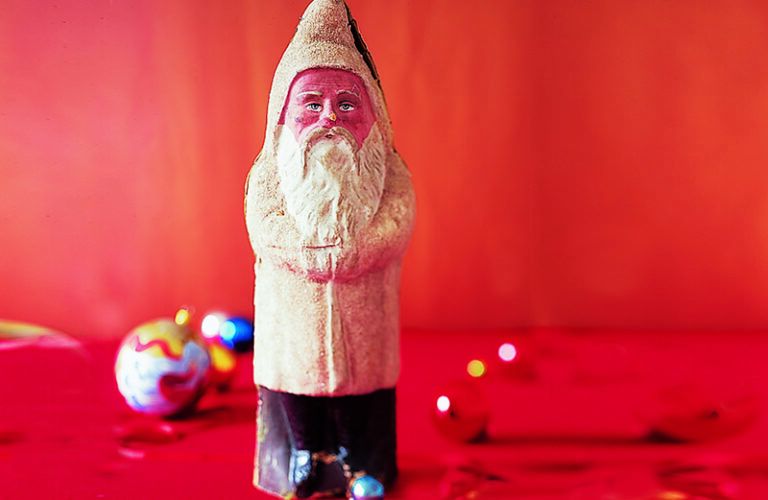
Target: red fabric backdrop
{"x": 576, "y": 163}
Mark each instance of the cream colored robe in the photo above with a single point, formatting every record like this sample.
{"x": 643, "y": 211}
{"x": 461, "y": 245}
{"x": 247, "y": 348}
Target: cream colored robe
{"x": 337, "y": 337}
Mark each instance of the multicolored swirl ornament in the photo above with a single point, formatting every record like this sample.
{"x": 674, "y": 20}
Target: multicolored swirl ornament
{"x": 162, "y": 368}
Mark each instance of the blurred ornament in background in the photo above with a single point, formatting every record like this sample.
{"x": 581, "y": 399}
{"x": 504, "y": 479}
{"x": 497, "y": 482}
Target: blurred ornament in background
{"x": 210, "y": 326}
{"x": 223, "y": 363}
{"x": 515, "y": 360}
{"x": 184, "y": 315}
{"x": 223, "y": 358}
{"x": 162, "y": 368}
{"x": 507, "y": 352}
{"x": 461, "y": 412}
{"x": 688, "y": 413}
{"x": 476, "y": 368}
{"x": 15, "y": 335}
{"x": 235, "y": 331}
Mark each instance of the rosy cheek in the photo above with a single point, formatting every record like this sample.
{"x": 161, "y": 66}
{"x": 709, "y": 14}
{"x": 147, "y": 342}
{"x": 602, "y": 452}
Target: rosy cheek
{"x": 357, "y": 124}
{"x": 304, "y": 120}
{"x": 350, "y": 117}
{"x": 301, "y": 120}
{"x": 352, "y": 120}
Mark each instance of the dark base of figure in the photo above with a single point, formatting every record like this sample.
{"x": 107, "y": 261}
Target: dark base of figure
{"x": 318, "y": 445}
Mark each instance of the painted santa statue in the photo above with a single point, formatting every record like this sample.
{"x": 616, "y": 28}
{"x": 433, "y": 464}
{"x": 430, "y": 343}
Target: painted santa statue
{"x": 329, "y": 210}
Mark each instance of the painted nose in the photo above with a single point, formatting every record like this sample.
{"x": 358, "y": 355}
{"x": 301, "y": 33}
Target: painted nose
{"x": 329, "y": 120}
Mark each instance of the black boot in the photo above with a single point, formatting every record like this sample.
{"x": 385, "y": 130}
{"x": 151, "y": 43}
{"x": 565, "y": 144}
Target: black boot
{"x": 365, "y": 426}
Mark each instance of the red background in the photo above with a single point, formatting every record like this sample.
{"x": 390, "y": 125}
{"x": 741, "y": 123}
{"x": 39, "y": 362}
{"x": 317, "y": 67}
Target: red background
{"x": 593, "y": 164}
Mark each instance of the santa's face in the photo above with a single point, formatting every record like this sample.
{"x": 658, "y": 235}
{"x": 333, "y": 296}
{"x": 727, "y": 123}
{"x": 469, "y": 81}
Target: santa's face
{"x": 327, "y": 98}
{"x": 331, "y": 157}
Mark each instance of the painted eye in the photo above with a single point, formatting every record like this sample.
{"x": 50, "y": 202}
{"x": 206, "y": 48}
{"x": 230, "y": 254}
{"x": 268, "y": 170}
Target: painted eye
{"x": 313, "y": 106}
{"x": 346, "y": 106}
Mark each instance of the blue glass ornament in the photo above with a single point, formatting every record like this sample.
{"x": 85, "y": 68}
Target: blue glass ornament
{"x": 367, "y": 488}
{"x": 237, "y": 333}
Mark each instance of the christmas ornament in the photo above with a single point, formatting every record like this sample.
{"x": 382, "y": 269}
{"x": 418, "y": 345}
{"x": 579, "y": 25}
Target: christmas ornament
{"x": 234, "y": 331}
{"x": 237, "y": 332}
{"x": 476, "y": 368}
{"x": 15, "y": 335}
{"x": 366, "y": 488}
{"x": 183, "y": 315}
{"x": 210, "y": 326}
{"x": 223, "y": 358}
{"x": 514, "y": 360}
{"x": 223, "y": 363}
{"x": 162, "y": 368}
{"x": 692, "y": 414}
{"x": 461, "y": 412}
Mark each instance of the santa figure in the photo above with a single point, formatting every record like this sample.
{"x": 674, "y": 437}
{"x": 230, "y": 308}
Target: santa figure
{"x": 329, "y": 210}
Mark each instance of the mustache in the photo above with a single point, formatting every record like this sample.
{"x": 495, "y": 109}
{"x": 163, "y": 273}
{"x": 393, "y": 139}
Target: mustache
{"x": 321, "y": 133}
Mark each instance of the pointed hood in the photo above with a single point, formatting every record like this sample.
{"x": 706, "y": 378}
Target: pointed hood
{"x": 327, "y": 37}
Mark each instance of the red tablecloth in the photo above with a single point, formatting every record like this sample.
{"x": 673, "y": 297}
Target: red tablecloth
{"x": 578, "y": 429}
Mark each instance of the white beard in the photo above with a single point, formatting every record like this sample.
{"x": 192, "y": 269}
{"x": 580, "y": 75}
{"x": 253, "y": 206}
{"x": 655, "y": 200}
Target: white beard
{"x": 331, "y": 192}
